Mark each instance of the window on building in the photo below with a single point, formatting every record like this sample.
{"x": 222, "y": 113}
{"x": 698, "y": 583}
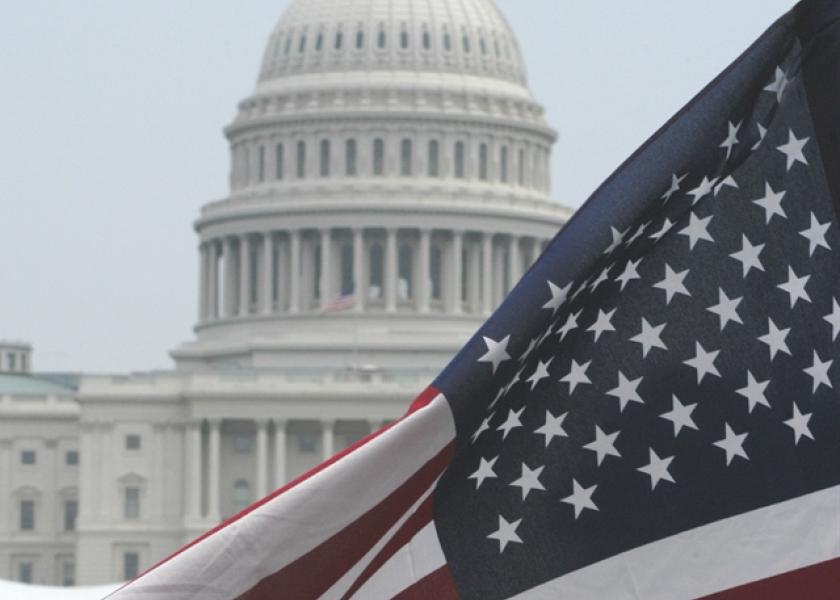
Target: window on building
{"x": 132, "y": 441}
{"x": 404, "y": 40}
{"x": 405, "y": 277}
{"x": 339, "y": 40}
{"x": 460, "y": 159}
{"x": 71, "y": 458}
{"x": 427, "y": 41}
{"x": 381, "y": 39}
{"x": 71, "y": 511}
{"x": 360, "y": 39}
{"x": 301, "y": 160}
{"x": 319, "y": 42}
{"x": 307, "y": 443}
{"x": 483, "y": 44}
{"x": 316, "y": 272}
{"x": 447, "y": 41}
{"x": 131, "y": 505}
{"x": 350, "y": 167}
{"x": 503, "y": 164}
{"x": 241, "y": 495}
{"x": 496, "y": 47}
{"x": 466, "y": 43}
{"x": 131, "y": 565}
{"x": 12, "y": 361}
{"x": 434, "y": 158}
{"x": 482, "y": 162}
{"x": 288, "y": 48}
{"x": 436, "y": 273}
{"x": 378, "y": 157}
{"x": 25, "y": 571}
{"x": 325, "y": 158}
{"x": 302, "y": 44}
{"x": 68, "y": 573}
{"x": 23, "y": 363}
{"x": 246, "y": 165}
{"x": 27, "y": 515}
{"x": 521, "y": 167}
{"x": 28, "y": 457}
{"x": 243, "y": 443}
{"x": 261, "y": 165}
{"x": 406, "y": 151}
{"x": 376, "y": 274}
{"x": 280, "y": 160}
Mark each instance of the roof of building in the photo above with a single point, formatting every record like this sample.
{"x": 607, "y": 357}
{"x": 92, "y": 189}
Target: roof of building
{"x": 33, "y": 385}
{"x": 469, "y": 37}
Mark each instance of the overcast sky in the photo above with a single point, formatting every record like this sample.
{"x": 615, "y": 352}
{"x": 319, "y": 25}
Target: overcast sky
{"x": 110, "y": 141}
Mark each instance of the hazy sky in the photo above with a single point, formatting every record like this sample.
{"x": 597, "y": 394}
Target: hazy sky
{"x": 110, "y": 141}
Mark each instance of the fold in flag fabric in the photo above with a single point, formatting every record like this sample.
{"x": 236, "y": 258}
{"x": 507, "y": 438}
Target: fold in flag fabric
{"x": 654, "y": 411}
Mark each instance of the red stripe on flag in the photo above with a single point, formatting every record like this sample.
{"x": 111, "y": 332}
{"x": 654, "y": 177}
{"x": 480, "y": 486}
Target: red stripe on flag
{"x": 317, "y": 571}
{"x": 421, "y": 517}
{"x": 438, "y": 585}
{"x": 424, "y": 399}
{"x": 815, "y": 582}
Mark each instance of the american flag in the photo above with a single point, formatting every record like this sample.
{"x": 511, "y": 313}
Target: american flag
{"x": 340, "y": 303}
{"x": 653, "y": 411}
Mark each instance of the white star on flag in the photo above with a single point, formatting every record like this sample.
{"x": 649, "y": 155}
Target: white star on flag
{"x": 680, "y": 415}
{"x": 496, "y": 352}
{"x": 799, "y": 424}
{"x": 703, "y": 362}
{"x": 581, "y": 498}
{"x": 793, "y": 150}
{"x": 603, "y": 445}
{"x": 553, "y": 427}
{"x": 657, "y": 469}
{"x": 733, "y": 445}
{"x": 484, "y": 471}
{"x": 627, "y": 391}
{"x": 506, "y": 533}
{"x": 529, "y": 480}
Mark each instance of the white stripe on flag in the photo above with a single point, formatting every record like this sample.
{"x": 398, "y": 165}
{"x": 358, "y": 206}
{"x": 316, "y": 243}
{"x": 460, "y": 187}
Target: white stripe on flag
{"x": 231, "y": 561}
{"x": 713, "y": 558}
{"x": 420, "y": 557}
{"x": 342, "y": 585}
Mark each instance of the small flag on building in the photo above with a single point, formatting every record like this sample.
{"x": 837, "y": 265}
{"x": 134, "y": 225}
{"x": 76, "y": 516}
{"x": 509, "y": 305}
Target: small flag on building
{"x": 341, "y": 303}
{"x": 654, "y": 411}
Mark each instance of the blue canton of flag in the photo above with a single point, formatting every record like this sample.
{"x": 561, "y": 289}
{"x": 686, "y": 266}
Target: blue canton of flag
{"x": 654, "y": 410}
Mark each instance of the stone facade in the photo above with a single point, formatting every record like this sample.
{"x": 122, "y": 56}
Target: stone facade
{"x": 389, "y": 186}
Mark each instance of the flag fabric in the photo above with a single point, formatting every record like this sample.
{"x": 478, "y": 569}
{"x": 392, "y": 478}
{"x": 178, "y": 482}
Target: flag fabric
{"x": 652, "y": 413}
{"x": 340, "y": 303}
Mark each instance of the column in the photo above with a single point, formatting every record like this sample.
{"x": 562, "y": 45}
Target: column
{"x": 456, "y": 272}
{"x": 267, "y": 283}
{"x": 474, "y": 283}
{"x": 326, "y": 266}
{"x": 194, "y": 466}
{"x": 244, "y": 276}
{"x": 213, "y": 513}
{"x": 262, "y": 458}
{"x": 498, "y": 275}
{"x": 359, "y": 287}
{"x": 229, "y": 279}
{"x": 327, "y": 442}
{"x": 294, "y": 271}
{"x": 279, "y": 452}
{"x": 514, "y": 262}
{"x": 487, "y": 272}
{"x": 213, "y": 282}
{"x": 391, "y": 270}
{"x": 423, "y": 289}
{"x": 203, "y": 265}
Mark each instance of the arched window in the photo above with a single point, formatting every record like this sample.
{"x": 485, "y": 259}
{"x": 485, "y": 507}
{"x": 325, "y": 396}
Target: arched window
{"x": 435, "y": 273}
{"x": 319, "y": 42}
{"x": 447, "y": 41}
{"x": 378, "y": 157}
{"x": 280, "y": 160}
{"x": 405, "y": 158}
{"x": 503, "y": 164}
{"x": 301, "y": 160}
{"x": 381, "y": 38}
{"x": 466, "y": 42}
{"x": 325, "y": 158}
{"x": 360, "y": 39}
{"x": 483, "y": 45}
{"x": 302, "y": 45}
{"x": 339, "y": 39}
{"x": 482, "y": 162}
{"x": 377, "y": 258}
{"x": 404, "y": 39}
{"x": 241, "y": 495}
{"x": 521, "y": 166}
{"x": 261, "y": 164}
{"x": 405, "y": 278}
{"x": 427, "y": 41}
{"x": 350, "y": 167}
{"x": 460, "y": 159}
{"x": 434, "y": 158}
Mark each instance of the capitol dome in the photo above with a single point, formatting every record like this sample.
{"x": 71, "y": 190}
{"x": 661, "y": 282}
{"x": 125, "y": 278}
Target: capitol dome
{"x": 461, "y": 37}
{"x": 389, "y": 185}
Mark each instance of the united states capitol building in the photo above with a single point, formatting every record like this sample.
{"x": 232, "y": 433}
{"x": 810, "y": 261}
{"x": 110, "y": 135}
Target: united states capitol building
{"x": 389, "y": 184}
